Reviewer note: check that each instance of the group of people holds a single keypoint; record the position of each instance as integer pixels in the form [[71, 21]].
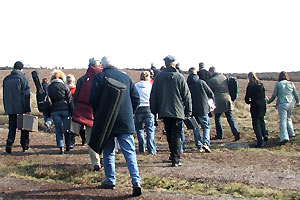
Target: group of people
[[161, 94]]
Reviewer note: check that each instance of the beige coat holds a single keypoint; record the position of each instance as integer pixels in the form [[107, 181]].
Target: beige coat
[[218, 84]]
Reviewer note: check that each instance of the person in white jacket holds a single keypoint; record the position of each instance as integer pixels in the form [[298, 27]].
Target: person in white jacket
[[144, 119]]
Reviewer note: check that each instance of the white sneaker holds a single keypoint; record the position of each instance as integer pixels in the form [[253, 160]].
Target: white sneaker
[[206, 148]]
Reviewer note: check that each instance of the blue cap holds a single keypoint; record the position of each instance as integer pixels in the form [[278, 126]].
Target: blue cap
[[169, 59]]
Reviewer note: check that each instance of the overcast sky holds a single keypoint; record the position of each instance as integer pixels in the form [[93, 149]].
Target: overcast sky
[[232, 35]]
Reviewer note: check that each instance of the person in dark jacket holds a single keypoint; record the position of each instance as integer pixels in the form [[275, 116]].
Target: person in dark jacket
[[170, 98], [255, 96], [123, 128], [62, 108], [200, 92], [203, 73], [83, 113], [47, 120], [16, 100]]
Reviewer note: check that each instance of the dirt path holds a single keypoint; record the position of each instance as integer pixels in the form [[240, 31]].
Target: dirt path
[[228, 162]]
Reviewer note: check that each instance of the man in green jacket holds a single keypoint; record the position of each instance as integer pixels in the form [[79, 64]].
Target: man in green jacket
[[171, 99]]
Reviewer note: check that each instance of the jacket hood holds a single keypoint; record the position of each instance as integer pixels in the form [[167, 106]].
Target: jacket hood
[[169, 73], [143, 84], [16, 71], [57, 80], [193, 78]]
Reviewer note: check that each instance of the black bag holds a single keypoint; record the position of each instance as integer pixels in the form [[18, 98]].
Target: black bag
[[190, 123], [106, 113], [233, 87], [40, 93]]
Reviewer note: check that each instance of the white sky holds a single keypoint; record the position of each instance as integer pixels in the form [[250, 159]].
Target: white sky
[[232, 35]]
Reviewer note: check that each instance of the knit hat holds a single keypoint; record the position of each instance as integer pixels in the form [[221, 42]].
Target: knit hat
[[92, 62], [169, 59]]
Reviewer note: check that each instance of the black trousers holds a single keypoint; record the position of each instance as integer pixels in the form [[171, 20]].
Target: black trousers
[[259, 127], [173, 128], [12, 128]]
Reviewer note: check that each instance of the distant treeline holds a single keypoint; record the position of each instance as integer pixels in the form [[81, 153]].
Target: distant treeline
[[267, 76]]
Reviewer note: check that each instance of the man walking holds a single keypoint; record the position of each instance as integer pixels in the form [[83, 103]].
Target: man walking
[[203, 73], [218, 84], [171, 99], [16, 99], [123, 129], [200, 92]]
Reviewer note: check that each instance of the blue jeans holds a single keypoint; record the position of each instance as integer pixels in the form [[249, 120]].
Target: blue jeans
[[58, 118], [126, 142], [286, 124], [230, 121], [182, 138], [205, 125], [148, 120]]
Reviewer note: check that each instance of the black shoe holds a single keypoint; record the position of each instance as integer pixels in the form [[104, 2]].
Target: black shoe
[[61, 150], [137, 190], [283, 142], [25, 148], [8, 149], [266, 138], [106, 186], [96, 168], [175, 164], [217, 138], [236, 136], [68, 148]]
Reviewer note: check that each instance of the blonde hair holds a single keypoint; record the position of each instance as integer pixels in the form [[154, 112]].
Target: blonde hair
[[58, 74], [70, 79], [145, 76], [253, 78]]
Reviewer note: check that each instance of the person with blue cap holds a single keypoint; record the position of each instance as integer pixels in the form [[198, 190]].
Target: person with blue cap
[[170, 98]]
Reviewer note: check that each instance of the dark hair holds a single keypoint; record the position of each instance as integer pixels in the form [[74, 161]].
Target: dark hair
[[283, 76], [18, 65], [212, 70], [201, 65]]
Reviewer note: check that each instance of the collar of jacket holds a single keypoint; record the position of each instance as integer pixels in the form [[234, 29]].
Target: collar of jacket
[[57, 80]]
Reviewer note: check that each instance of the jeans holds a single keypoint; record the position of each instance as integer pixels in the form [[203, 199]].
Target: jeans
[[205, 125], [148, 120], [230, 121], [286, 125], [12, 129], [182, 139], [95, 157], [173, 127], [126, 142], [60, 118], [259, 127]]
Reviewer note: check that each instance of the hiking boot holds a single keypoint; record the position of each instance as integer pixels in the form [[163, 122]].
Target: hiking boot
[[236, 136], [206, 148], [8, 149], [106, 186], [137, 189], [175, 164], [25, 149], [96, 168]]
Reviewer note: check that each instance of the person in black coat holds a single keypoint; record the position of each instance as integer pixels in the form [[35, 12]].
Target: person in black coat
[[200, 93], [62, 108], [16, 100], [203, 73], [255, 96], [123, 128]]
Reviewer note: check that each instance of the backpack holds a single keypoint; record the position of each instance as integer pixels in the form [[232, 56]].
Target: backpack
[[233, 87]]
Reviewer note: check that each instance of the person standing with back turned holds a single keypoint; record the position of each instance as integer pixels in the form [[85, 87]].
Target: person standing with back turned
[[16, 100], [170, 98], [123, 128]]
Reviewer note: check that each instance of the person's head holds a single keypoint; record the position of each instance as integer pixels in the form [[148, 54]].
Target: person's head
[[145, 76], [177, 66], [106, 62], [18, 65], [70, 79], [45, 80], [201, 65], [192, 70], [283, 76], [212, 70], [170, 61], [58, 74], [252, 78], [92, 62]]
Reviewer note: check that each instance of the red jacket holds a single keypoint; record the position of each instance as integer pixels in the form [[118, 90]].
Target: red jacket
[[83, 113]]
